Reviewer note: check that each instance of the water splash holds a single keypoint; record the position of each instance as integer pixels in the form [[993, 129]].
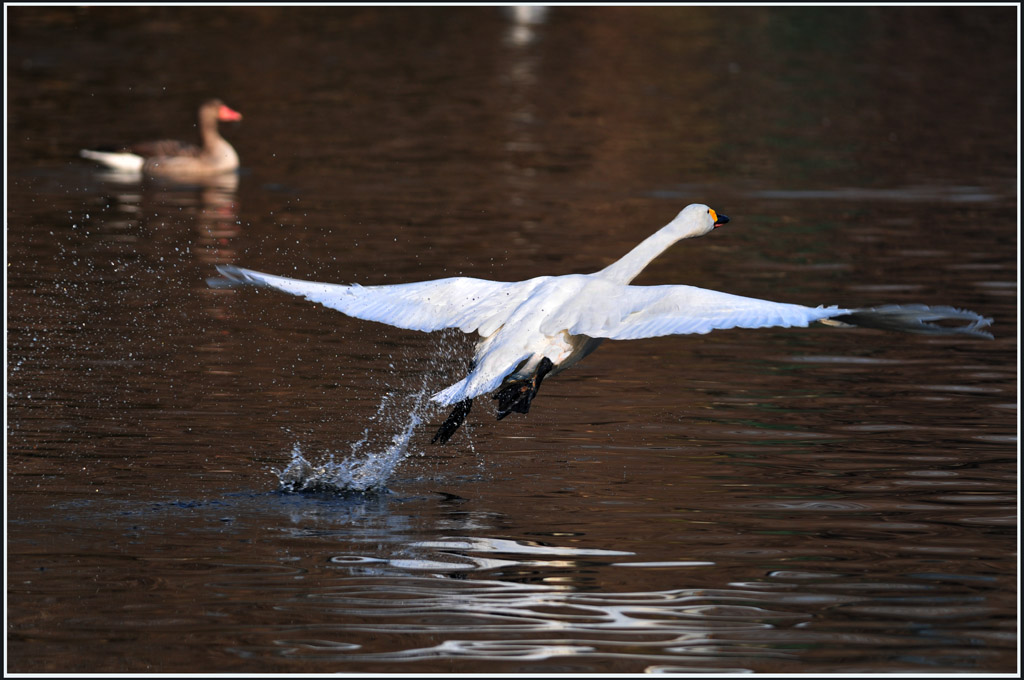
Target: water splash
[[373, 459], [367, 468]]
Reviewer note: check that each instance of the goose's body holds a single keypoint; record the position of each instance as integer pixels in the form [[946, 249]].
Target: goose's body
[[178, 160], [541, 326]]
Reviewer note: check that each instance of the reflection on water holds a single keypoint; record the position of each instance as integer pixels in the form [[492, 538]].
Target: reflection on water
[[353, 580], [929, 194], [524, 23], [211, 201], [206, 482]]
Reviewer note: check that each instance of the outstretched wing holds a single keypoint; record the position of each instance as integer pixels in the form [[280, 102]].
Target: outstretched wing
[[461, 302], [631, 312]]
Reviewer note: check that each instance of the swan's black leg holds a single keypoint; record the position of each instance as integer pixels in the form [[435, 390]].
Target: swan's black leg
[[455, 418], [517, 393]]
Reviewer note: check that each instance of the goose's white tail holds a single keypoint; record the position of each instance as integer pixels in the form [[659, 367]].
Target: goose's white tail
[[118, 160], [916, 319]]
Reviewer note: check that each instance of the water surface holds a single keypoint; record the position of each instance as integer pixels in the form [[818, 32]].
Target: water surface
[[773, 501]]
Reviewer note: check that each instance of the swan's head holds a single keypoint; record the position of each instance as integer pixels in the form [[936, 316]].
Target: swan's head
[[697, 219]]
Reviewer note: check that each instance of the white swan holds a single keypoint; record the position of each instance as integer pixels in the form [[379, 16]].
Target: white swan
[[544, 325]]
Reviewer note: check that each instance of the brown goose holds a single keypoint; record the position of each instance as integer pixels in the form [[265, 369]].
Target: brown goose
[[174, 159]]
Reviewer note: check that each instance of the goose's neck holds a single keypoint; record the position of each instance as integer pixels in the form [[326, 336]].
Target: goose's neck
[[209, 133], [632, 263]]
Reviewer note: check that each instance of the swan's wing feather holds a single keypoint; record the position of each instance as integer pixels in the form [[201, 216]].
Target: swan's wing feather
[[631, 312], [461, 302]]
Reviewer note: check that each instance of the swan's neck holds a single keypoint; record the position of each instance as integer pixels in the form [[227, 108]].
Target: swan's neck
[[632, 263]]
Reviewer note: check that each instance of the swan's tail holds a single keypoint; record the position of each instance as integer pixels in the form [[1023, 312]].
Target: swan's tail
[[916, 319]]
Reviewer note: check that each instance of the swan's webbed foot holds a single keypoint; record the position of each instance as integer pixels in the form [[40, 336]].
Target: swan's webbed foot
[[516, 393], [455, 419]]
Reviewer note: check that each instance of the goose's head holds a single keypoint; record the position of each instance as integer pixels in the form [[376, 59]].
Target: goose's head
[[696, 219], [213, 110]]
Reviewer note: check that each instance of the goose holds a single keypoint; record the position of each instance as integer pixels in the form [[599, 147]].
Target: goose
[[174, 159], [531, 329]]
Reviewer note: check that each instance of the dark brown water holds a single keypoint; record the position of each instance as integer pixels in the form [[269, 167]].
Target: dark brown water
[[777, 501]]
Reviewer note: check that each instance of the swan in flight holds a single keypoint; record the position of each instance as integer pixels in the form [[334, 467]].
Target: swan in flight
[[542, 326]]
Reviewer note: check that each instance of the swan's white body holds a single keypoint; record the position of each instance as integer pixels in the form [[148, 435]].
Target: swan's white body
[[564, 318]]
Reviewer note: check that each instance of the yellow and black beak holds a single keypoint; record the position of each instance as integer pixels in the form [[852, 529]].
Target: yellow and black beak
[[719, 219]]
